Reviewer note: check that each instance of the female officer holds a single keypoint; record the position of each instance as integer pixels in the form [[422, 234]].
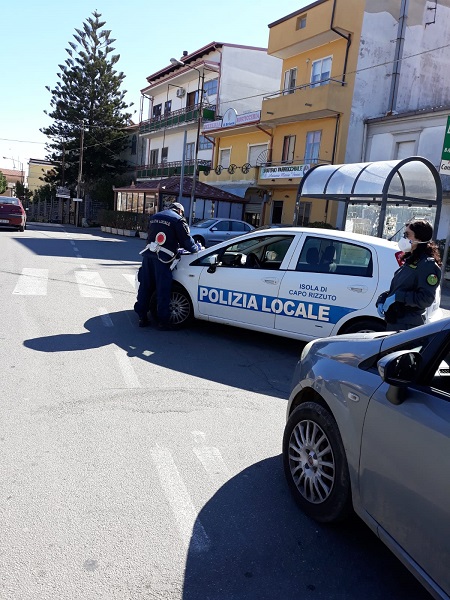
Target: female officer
[[413, 287]]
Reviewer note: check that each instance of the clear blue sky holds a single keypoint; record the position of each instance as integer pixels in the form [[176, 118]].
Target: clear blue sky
[[35, 34]]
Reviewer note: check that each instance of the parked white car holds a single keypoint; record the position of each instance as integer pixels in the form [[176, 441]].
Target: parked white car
[[301, 283]]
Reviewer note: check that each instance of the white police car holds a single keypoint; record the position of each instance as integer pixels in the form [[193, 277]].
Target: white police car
[[296, 282]]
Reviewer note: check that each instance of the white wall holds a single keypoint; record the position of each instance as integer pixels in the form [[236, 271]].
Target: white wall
[[423, 80], [427, 130], [247, 75]]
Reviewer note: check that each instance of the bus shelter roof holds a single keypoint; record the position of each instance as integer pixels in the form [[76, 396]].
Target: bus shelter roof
[[413, 180]]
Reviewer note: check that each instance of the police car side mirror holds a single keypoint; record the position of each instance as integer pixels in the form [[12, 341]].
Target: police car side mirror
[[213, 262], [213, 229]]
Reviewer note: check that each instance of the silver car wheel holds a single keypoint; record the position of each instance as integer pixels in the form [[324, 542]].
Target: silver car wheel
[[311, 461]]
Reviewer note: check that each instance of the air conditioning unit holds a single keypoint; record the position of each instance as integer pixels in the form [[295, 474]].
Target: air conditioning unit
[[181, 92]]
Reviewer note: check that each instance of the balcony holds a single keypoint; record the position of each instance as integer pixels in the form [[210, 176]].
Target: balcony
[[168, 169], [175, 118], [306, 102]]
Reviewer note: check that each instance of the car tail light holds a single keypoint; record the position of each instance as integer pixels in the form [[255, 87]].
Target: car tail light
[[400, 257]]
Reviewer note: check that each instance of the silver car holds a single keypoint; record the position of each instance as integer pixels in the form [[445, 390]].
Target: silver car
[[212, 231], [368, 429]]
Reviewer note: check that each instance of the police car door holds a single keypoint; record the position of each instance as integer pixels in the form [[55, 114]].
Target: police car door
[[244, 285], [327, 280]]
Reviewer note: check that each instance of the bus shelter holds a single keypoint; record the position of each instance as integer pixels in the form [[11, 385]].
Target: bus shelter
[[380, 197]]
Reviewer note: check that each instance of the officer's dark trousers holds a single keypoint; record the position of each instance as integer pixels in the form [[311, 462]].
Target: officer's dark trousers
[[154, 276]]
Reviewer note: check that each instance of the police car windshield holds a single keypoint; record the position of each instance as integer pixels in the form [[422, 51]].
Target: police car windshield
[[205, 224]]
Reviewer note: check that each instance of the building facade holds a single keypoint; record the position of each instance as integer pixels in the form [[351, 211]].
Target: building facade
[[194, 90]]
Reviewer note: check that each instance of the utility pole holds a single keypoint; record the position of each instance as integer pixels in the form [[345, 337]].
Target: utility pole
[[80, 172]]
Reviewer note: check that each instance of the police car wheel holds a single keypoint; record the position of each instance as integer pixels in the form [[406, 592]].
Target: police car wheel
[[364, 326], [181, 309]]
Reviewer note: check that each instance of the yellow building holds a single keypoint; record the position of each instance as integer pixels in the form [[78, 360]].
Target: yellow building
[[310, 114], [303, 124], [240, 146], [37, 169]]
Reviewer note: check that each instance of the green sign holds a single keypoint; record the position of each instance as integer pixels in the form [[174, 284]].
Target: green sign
[[445, 159]]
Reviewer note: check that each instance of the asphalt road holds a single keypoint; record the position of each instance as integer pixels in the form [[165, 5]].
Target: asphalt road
[[138, 464]]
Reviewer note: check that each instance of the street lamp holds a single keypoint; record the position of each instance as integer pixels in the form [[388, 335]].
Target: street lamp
[[201, 79]]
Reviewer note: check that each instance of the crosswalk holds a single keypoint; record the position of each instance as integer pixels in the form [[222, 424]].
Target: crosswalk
[[90, 283]]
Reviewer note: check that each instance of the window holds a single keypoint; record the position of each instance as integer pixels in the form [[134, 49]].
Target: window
[[290, 80], [321, 72], [222, 226], [405, 149], [164, 154], [265, 252], [312, 147], [301, 22], [204, 143], [254, 152], [325, 255], [239, 226], [210, 87], [277, 212], [304, 211], [154, 154], [288, 148], [133, 145], [190, 151], [167, 107], [157, 110], [224, 157]]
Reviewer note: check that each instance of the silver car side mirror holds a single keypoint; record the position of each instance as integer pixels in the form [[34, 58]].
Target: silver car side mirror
[[399, 370]]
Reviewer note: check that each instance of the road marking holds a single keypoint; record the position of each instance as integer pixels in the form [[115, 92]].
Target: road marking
[[211, 460], [192, 531], [91, 285], [32, 282], [129, 278], [129, 375], [106, 319]]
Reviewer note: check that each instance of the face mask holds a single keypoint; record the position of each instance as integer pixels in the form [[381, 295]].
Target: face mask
[[404, 244]]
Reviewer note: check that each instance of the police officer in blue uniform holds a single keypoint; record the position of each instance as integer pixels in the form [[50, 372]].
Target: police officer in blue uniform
[[413, 287], [168, 231]]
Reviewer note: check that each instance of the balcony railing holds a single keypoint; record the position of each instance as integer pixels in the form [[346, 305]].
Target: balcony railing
[[168, 169], [307, 101], [304, 86], [179, 117]]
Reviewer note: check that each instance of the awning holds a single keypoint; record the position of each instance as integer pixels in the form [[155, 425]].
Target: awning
[[414, 180], [237, 189]]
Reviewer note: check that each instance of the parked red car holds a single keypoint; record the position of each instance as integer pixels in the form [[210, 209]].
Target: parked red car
[[12, 213]]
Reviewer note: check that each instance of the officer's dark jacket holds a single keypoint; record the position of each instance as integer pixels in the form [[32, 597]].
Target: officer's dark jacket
[[175, 229], [414, 285]]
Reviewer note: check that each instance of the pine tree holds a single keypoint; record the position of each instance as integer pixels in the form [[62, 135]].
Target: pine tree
[[87, 101], [3, 183]]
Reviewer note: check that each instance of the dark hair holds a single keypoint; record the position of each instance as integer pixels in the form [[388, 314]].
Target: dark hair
[[423, 231]]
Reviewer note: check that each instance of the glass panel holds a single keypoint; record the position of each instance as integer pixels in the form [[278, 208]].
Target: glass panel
[[322, 255], [419, 181], [315, 182], [399, 214], [374, 177], [363, 218]]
